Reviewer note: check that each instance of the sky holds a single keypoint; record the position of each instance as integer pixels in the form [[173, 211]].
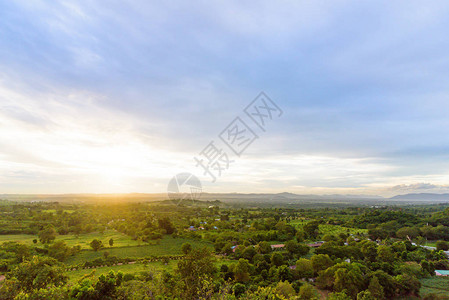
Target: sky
[[121, 98]]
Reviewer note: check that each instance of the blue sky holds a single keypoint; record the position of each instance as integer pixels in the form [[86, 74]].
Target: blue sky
[[121, 98]]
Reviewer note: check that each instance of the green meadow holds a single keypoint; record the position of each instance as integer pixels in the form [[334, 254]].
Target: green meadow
[[438, 285], [134, 269], [83, 240], [330, 229], [165, 246]]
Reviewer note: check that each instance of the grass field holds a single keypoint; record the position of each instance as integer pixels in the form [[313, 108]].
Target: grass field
[[437, 285], [83, 240], [135, 269], [330, 229], [166, 246]]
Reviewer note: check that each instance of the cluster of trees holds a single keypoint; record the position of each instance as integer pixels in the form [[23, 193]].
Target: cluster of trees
[[385, 263]]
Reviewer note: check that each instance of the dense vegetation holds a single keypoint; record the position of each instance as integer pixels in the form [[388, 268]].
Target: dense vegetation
[[208, 250]]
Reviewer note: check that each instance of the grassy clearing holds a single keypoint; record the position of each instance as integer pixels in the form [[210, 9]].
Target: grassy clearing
[[437, 285], [83, 240], [53, 211], [20, 238], [330, 229], [166, 246], [135, 269]]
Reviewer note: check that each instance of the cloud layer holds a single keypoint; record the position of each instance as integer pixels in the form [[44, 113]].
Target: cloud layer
[[121, 98]]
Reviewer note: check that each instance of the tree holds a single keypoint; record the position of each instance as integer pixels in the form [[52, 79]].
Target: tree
[[369, 250], [296, 248], [365, 295], [39, 273], [249, 253], [347, 277], [338, 296], [166, 224], [311, 229], [196, 266], [308, 292], [321, 262], [408, 284], [304, 267], [96, 244], [111, 242], [300, 236], [385, 254], [242, 270], [104, 288], [429, 267], [59, 250], [263, 248], [284, 273], [238, 289], [407, 232], [285, 289], [376, 290], [47, 235], [186, 248], [277, 259], [442, 245], [350, 278], [388, 283]]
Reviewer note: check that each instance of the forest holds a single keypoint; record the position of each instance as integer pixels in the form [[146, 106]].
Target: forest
[[214, 250]]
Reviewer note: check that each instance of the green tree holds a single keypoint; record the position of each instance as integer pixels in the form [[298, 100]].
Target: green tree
[[407, 232], [308, 292], [238, 289], [385, 254], [196, 266], [111, 242], [369, 250], [59, 250], [442, 245], [96, 244], [375, 288], [277, 259], [388, 283], [242, 271], [295, 248], [304, 267], [365, 295], [47, 235], [321, 262], [263, 248], [104, 288], [186, 248], [338, 296], [166, 224], [311, 229], [249, 253], [343, 277], [408, 284], [39, 273], [350, 279], [285, 289]]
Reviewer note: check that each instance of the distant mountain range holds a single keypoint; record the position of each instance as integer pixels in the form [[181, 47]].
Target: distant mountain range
[[250, 199], [422, 197]]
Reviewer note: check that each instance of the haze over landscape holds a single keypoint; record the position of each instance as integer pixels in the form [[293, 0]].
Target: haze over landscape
[[119, 99], [224, 150]]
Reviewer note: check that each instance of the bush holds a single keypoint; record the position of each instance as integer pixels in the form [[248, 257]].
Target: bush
[[128, 277], [238, 289]]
